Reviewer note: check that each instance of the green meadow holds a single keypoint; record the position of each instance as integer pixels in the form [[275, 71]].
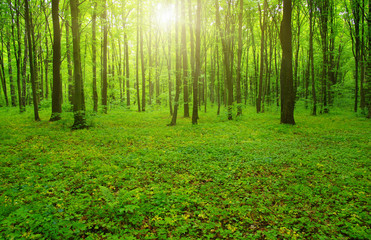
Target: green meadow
[[130, 176]]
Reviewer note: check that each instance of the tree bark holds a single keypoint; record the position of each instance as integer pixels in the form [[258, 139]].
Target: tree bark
[[105, 59], [287, 89], [198, 64], [29, 30], [57, 83], [239, 62], [78, 98], [69, 63], [143, 64], [185, 61], [177, 69], [94, 58]]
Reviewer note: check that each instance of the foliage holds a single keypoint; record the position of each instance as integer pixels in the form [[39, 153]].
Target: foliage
[[131, 177]]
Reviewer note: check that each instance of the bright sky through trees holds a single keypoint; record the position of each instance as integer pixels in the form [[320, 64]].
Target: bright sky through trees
[[165, 14]]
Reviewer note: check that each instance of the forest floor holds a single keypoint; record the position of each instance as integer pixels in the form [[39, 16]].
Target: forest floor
[[130, 176]]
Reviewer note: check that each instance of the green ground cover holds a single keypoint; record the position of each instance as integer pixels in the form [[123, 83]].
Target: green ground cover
[[131, 177]]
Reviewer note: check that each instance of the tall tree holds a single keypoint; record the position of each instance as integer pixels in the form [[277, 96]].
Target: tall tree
[[57, 83], [198, 64], [239, 60], [78, 98], [31, 48], [286, 75], [69, 62], [262, 48], [227, 58], [355, 6], [105, 58], [177, 70], [142, 61], [137, 56], [185, 61], [324, 14], [94, 57], [311, 56], [13, 97]]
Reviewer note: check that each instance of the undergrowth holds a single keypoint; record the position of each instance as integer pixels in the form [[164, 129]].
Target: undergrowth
[[129, 176]]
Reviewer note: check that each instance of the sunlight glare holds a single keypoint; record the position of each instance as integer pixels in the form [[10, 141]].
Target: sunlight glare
[[165, 14]]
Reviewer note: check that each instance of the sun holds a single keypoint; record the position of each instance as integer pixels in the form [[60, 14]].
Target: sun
[[165, 14]]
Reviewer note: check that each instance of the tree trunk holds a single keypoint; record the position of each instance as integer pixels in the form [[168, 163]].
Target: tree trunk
[[69, 63], [105, 58], [29, 30], [262, 48], [13, 97], [127, 69], [311, 57], [287, 89], [137, 57], [198, 64], [143, 64], [239, 62], [94, 58], [185, 61], [177, 69], [57, 83], [227, 58], [78, 98]]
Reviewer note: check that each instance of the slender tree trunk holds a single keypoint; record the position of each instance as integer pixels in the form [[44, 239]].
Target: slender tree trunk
[[143, 64], [137, 57], [262, 48], [239, 62], [105, 58], [227, 58], [311, 57], [24, 73], [362, 60], [94, 58], [198, 64], [57, 83], [127, 69], [177, 69], [296, 69], [287, 88], [29, 26], [69, 63], [185, 61], [10, 72], [191, 36], [78, 98], [3, 81]]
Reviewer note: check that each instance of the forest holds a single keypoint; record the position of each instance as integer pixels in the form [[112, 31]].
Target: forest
[[185, 119]]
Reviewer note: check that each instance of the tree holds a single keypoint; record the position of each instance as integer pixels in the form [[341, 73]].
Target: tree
[[177, 71], [286, 75], [94, 57], [227, 58], [142, 62], [78, 98], [311, 57], [105, 58], [239, 58], [31, 50], [262, 48], [185, 61], [198, 64], [57, 83]]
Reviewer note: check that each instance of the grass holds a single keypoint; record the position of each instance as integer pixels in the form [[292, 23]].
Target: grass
[[131, 177]]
